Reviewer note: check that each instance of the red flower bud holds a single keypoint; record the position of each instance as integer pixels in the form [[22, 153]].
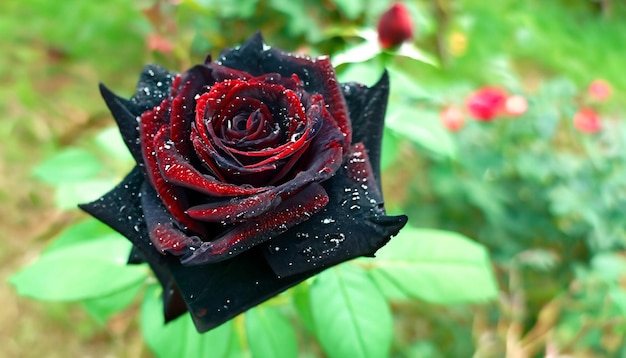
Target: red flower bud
[[395, 26], [486, 103], [587, 121], [452, 118], [600, 90]]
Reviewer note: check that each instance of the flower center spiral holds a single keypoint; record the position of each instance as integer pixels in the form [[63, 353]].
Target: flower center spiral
[[253, 131]]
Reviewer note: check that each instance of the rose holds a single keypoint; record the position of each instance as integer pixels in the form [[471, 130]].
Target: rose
[[253, 173], [395, 26], [587, 120], [486, 103]]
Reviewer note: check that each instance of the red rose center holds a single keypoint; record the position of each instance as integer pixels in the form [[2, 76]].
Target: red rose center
[[252, 131]]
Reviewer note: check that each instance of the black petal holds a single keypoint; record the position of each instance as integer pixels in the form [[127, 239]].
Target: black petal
[[125, 113], [153, 86], [218, 292], [135, 256], [257, 58], [366, 107], [248, 57], [213, 293], [121, 209], [353, 224]]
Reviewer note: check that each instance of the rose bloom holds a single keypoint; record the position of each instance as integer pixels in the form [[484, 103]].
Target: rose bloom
[[395, 26], [254, 172], [515, 105], [600, 90], [452, 118], [586, 120], [486, 103]]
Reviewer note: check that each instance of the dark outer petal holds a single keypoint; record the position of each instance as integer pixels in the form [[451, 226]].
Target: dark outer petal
[[352, 224], [239, 283], [121, 209], [152, 88], [135, 256], [252, 232], [218, 292], [162, 227], [124, 111], [317, 75], [367, 106]]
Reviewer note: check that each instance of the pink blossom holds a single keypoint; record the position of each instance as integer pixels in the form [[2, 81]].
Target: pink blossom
[[587, 120], [486, 103], [452, 118]]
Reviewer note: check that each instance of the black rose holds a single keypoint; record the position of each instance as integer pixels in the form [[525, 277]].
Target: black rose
[[254, 172]]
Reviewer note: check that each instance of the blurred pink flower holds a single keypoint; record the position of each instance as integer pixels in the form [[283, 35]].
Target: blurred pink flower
[[600, 90], [516, 105], [452, 118], [395, 26], [486, 103], [156, 42], [586, 120]]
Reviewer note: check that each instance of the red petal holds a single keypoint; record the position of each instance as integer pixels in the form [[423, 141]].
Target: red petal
[[255, 231], [152, 123], [177, 170], [333, 97], [235, 210]]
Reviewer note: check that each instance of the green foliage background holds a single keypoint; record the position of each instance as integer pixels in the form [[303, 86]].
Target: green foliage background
[[515, 245]]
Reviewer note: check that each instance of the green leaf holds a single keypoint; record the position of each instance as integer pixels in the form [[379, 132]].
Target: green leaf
[[352, 318], [411, 51], [387, 287], [302, 303], [111, 142], [435, 266], [269, 333], [389, 148], [362, 52], [83, 231], [86, 270], [351, 8], [618, 297], [179, 338], [403, 84], [69, 195], [367, 73], [423, 128], [241, 9], [70, 165], [610, 267], [299, 21], [102, 308]]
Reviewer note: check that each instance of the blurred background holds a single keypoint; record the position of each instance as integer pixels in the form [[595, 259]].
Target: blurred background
[[505, 124]]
